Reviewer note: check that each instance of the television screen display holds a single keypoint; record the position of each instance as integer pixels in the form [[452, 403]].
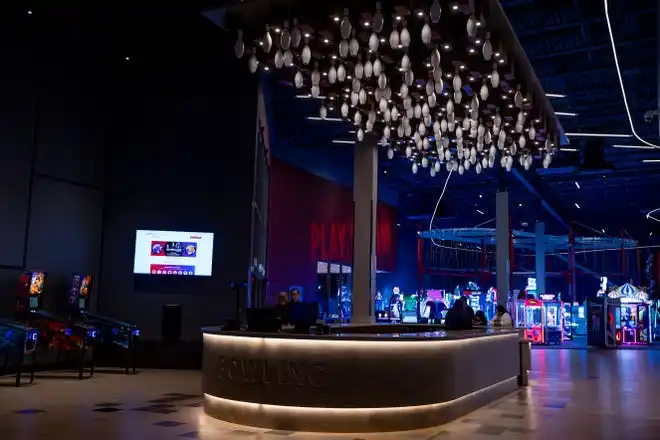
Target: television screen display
[[173, 253]]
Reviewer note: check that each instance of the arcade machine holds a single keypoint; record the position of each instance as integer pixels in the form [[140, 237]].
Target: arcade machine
[[490, 304], [396, 306], [411, 307], [620, 318], [17, 342], [56, 331], [567, 319], [474, 295], [542, 322], [112, 331]]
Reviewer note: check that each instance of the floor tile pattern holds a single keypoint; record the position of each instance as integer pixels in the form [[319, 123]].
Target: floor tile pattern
[[574, 395]]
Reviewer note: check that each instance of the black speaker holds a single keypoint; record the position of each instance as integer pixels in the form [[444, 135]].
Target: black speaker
[[171, 323]]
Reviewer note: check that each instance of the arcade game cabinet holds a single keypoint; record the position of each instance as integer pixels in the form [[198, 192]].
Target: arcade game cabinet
[[396, 306], [113, 332], [56, 332], [542, 322], [17, 341], [621, 318]]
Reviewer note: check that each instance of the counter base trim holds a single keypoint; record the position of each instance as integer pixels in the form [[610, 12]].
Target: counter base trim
[[314, 419]]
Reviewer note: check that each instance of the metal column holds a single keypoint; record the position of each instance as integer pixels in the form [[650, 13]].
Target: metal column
[[540, 257], [365, 203], [502, 237]]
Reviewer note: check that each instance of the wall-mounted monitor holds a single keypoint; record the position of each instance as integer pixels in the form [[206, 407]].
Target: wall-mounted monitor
[[173, 253]]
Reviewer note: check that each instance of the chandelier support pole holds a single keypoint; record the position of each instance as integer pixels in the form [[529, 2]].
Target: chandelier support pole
[[502, 237], [365, 204]]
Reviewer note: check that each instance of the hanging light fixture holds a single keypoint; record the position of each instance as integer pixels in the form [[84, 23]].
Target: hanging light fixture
[[406, 86]]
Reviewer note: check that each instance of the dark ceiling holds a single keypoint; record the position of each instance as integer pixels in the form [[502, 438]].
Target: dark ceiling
[[569, 47]]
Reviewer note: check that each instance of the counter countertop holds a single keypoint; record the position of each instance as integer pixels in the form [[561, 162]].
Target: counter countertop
[[434, 335]]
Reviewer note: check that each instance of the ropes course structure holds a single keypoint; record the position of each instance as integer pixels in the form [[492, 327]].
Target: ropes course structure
[[471, 253]]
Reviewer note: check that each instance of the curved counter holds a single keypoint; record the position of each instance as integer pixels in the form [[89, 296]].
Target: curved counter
[[348, 382]]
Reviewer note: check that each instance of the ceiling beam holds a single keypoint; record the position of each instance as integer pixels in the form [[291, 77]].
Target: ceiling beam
[[533, 183]]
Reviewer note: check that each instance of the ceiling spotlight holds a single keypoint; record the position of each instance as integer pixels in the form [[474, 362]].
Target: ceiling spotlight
[[366, 23], [420, 13], [307, 35], [336, 19], [454, 7], [326, 41], [398, 18], [277, 30]]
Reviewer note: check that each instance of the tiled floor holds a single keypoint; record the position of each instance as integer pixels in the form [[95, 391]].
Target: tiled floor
[[575, 395]]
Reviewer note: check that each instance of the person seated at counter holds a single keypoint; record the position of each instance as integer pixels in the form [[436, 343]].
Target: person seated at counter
[[282, 307], [295, 296], [458, 317], [480, 318], [502, 318]]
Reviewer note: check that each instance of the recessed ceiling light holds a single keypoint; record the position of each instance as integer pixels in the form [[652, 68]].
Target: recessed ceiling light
[[336, 19], [455, 7]]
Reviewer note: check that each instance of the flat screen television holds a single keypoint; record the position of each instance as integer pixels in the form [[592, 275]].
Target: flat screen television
[[173, 253]]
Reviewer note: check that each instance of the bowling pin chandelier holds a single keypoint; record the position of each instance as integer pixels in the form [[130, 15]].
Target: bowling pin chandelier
[[431, 84]]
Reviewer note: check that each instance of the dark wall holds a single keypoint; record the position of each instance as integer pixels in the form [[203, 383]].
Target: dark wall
[[181, 158], [53, 120], [311, 219]]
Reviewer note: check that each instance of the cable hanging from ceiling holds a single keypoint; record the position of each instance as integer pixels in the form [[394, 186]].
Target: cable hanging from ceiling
[[620, 76]]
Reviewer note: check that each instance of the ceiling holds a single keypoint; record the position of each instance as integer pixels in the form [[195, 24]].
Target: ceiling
[[591, 182], [568, 45]]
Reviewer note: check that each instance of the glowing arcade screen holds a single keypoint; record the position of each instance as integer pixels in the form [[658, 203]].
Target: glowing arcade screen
[[173, 253], [31, 289], [81, 286]]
